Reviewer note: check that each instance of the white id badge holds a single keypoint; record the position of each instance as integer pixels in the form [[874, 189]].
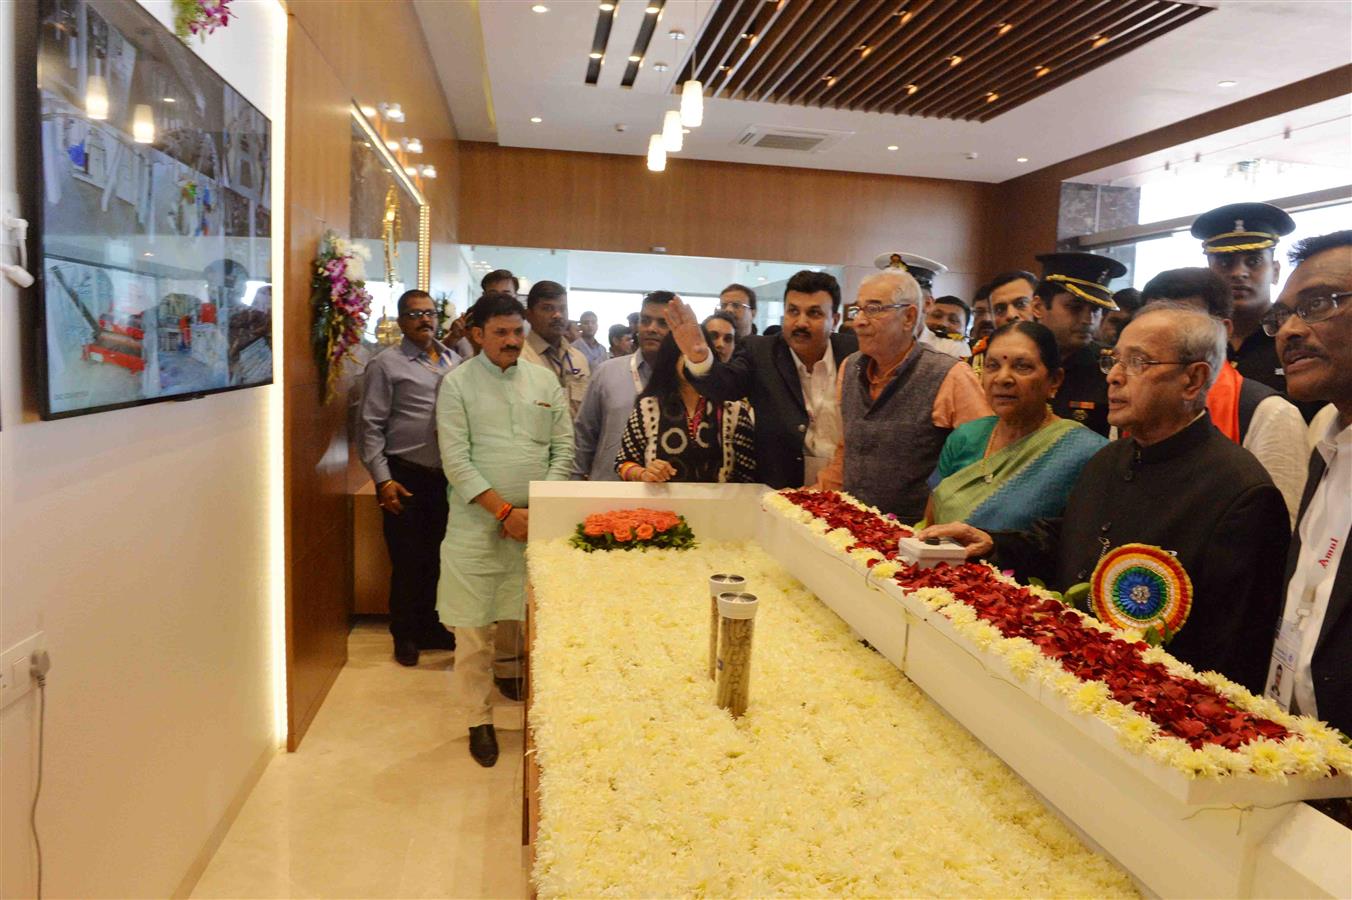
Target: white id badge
[[1281, 678]]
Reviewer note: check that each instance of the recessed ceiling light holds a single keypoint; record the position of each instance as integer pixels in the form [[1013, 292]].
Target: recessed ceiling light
[[660, 67], [172, 100], [748, 35], [410, 170], [954, 60], [1098, 41], [1021, 159], [827, 77], [911, 89], [760, 279], [653, 10], [539, 8], [1226, 83], [1040, 71], [893, 147], [147, 253], [724, 68], [536, 120], [594, 55], [607, 7], [392, 145], [368, 111], [676, 34], [1004, 28], [992, 96], [635, 58]]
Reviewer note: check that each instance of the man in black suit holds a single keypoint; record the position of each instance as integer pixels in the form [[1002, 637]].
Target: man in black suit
[[790, 378], [1312, 322], [1176, 483]]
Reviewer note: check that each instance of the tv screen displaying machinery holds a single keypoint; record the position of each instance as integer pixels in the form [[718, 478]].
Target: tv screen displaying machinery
[[155, 216]]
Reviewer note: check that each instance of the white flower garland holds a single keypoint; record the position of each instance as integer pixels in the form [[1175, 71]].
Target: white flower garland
[[841, 779], [1312, 749]]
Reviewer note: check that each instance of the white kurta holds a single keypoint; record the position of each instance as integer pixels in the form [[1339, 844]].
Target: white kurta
[[502, 430]]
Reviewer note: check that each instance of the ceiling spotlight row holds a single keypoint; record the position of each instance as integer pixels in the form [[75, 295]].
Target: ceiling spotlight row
[[424, 171]]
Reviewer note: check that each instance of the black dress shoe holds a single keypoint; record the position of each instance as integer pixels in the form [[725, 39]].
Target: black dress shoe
[[406, 652], [512, 688], [444, 639], [483, 745]]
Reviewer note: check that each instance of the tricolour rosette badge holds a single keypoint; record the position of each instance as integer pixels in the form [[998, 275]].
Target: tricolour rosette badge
[[1143, 587]]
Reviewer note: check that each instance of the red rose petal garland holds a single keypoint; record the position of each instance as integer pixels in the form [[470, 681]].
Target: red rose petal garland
[[1185, 708]]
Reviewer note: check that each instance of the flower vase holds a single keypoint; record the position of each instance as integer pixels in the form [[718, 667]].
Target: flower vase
[[738, 614], [719, 584]]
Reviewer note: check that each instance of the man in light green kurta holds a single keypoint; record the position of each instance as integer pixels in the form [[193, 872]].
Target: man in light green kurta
[[500, 426]]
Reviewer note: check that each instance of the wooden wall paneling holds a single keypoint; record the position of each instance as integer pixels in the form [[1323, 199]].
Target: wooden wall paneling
[[317, 515], [367, 51], [592, 201]]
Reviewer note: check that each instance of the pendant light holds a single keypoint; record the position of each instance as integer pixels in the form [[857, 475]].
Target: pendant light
[[692, 104], [673, 138], [143, 124], [96, 96], [657, 154]]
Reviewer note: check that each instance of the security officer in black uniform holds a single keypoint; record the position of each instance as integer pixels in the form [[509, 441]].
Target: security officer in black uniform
[[1070, 300], [1239, 241]]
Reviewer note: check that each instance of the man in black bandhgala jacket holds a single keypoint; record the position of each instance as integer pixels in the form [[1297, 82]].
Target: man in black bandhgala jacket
[[1176, 483]]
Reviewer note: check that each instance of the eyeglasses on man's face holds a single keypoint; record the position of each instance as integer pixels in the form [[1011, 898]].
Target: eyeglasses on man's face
[[874, 310], [1311, 309], [733, 306], [416, 314], [1136, 363]]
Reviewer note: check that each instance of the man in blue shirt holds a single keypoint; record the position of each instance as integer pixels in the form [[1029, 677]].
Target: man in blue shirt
[[587, 344], [615, 385], [398, 445]]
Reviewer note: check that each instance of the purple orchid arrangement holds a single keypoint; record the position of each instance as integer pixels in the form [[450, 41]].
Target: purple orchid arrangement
[[342, 306], [200, 17]]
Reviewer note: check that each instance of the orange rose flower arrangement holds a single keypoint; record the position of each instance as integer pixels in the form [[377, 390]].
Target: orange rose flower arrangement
[[627, 529]]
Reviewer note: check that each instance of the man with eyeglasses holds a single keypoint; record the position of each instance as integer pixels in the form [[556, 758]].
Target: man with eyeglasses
[[1070, 299], [1248, 412], [398, 445], [899, 401], [789, 378], [1176, 483], [1239, 241], [1312, 324], [923, 270], [739, 301], [547, 344]]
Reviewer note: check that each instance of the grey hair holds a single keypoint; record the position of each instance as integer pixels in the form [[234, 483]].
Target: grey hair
[[905, 289], [1198, 336]]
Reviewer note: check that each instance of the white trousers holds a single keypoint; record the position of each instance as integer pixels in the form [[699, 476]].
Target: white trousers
[[480, 654]]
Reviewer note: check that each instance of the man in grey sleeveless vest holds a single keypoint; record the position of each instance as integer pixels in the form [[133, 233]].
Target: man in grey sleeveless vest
[[899, 400]]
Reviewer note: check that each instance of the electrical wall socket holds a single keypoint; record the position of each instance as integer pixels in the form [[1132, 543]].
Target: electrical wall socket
[[15, 679]]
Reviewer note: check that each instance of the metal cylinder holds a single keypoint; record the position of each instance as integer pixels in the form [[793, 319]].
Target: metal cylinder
[[719, 584], [737, 610]]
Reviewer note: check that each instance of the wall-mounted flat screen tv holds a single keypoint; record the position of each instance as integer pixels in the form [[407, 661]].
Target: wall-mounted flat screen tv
[[155, 217]]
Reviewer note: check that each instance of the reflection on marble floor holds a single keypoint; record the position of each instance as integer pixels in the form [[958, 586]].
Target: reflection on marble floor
[[382, 799]]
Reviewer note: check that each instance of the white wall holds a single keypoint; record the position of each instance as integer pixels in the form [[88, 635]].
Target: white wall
[[140, 541]]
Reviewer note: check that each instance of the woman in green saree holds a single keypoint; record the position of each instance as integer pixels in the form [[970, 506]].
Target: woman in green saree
[[1002, 472]]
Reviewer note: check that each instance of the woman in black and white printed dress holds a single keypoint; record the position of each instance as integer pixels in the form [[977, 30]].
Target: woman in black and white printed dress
[[674, 434]]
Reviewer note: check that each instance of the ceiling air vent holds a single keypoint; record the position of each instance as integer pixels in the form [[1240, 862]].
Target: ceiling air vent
[[798, 140]]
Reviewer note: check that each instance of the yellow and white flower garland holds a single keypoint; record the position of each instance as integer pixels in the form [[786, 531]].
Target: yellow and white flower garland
[[842, 778]]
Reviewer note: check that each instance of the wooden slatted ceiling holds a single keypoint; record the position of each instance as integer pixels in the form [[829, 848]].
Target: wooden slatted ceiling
[[949, 59]]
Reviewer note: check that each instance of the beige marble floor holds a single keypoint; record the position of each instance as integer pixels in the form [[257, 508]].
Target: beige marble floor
[[382, 799]]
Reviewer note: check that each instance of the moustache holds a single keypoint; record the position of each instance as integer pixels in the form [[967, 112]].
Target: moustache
[[801, 332]]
